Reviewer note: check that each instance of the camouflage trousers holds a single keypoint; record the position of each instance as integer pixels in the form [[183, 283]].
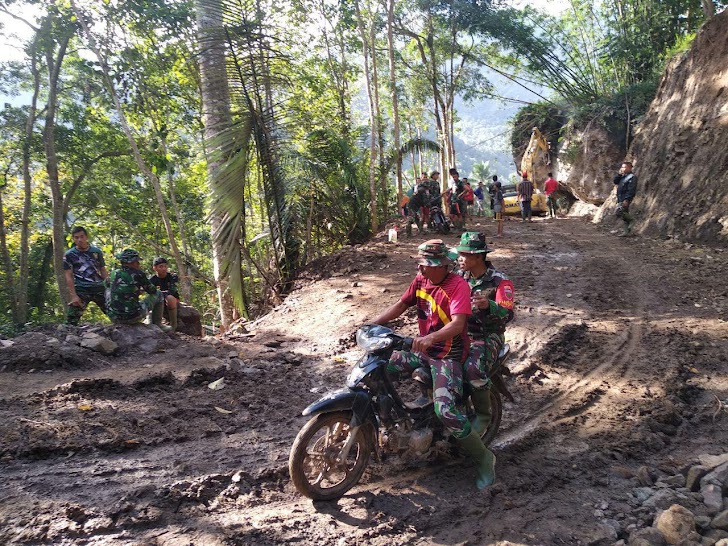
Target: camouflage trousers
[[86, 294], [447, 387], [483, 355], [146, 304]]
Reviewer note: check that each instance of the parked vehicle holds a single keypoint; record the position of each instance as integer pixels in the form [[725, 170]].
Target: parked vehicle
[[510, 200], [332, 450], [439, 222]]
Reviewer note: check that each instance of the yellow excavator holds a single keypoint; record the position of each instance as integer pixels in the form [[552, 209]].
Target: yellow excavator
[[536, 162]]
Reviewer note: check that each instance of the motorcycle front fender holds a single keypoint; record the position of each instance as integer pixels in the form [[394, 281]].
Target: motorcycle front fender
[[357, 401]]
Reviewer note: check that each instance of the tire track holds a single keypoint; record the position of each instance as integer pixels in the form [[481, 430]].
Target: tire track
[[589, 391]]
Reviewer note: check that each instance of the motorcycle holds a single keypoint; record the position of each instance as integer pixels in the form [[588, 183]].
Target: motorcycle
[[438, 221], [332, 450]]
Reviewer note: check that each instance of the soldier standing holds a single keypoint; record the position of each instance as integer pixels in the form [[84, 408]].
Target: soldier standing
[[85, 272]]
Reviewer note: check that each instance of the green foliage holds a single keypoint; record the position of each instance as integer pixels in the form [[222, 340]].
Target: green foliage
[[548, 118], [617, 113]]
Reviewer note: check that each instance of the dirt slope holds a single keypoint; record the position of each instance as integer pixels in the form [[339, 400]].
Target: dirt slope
[[620, 358], [681, 151]]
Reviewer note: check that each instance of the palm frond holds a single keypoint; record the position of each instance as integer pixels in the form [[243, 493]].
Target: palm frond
[[413, 144]]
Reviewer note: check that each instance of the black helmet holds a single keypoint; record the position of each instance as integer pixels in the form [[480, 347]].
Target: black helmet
[[128, 255]]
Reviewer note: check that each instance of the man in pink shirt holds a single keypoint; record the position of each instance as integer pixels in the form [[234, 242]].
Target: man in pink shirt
[[549, 187], [442, 299]]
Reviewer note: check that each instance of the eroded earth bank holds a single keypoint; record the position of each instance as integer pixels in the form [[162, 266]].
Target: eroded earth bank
[[619, 378]]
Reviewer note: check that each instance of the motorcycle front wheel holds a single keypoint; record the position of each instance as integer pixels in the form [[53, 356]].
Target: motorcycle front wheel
[[496, 405], [314, 464]]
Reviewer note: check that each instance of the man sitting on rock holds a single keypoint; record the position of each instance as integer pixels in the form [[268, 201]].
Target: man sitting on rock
[[124, 288], [166, 281]]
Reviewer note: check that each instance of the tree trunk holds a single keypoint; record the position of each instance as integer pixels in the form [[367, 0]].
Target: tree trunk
[[39, 301], [49, 143], [24, 266], [377, 128], [372, 120], [217, 119], [395, 99], [9, 287], [184, 274], [708, 8]]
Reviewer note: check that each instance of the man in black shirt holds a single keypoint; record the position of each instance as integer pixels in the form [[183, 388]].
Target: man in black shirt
[[166, 281]]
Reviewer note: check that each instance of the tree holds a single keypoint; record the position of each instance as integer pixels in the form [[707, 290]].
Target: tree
[[226, 217]]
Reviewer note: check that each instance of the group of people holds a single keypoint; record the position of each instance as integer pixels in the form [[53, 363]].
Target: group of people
[[460, 200], [462, 315], [525, 191], [126, 295]]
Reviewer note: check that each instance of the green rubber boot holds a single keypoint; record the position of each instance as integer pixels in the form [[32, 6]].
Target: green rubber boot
[[483, 410], [484, 459], [172, 313], [157, 312]]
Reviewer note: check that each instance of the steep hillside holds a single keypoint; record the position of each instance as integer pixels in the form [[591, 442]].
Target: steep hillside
[[681, 148], [587, 163]]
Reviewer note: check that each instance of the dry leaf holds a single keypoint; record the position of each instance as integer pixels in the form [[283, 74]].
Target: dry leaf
[[85, 407], [222, 410]]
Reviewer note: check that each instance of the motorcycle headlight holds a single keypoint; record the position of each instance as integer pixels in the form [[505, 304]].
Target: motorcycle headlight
[[374, 338]]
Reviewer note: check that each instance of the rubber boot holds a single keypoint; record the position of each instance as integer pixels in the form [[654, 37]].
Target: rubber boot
[[157, 313], [172, 313], [483, 457], [483, 410]]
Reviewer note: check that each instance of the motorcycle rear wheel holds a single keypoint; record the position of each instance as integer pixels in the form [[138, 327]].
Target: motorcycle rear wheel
[[496, 404], [313, 464]]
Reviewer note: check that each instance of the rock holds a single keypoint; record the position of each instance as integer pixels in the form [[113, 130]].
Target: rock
[[98, 343], [663, 499], [644, 477], [75, 340], [712, 461], [721, 521], [604, 534], [718, 476], [643, 493], [702, 522], [189, 320], [712, 498], [647, 537], [676, 523], [139, 337], [678, 480], [722, 542], [6, 343], [716, 534], [695, 474]]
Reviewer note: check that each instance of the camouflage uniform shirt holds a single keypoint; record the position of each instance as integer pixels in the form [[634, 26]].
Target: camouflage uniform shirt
[[122, 296], [493, 319], [86, 265]]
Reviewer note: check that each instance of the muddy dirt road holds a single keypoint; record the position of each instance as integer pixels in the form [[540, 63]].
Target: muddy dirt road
[[619, 377]]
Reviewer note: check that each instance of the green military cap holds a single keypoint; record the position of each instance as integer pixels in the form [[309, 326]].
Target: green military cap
[[128, 255], [472, 242], [433, 253]]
